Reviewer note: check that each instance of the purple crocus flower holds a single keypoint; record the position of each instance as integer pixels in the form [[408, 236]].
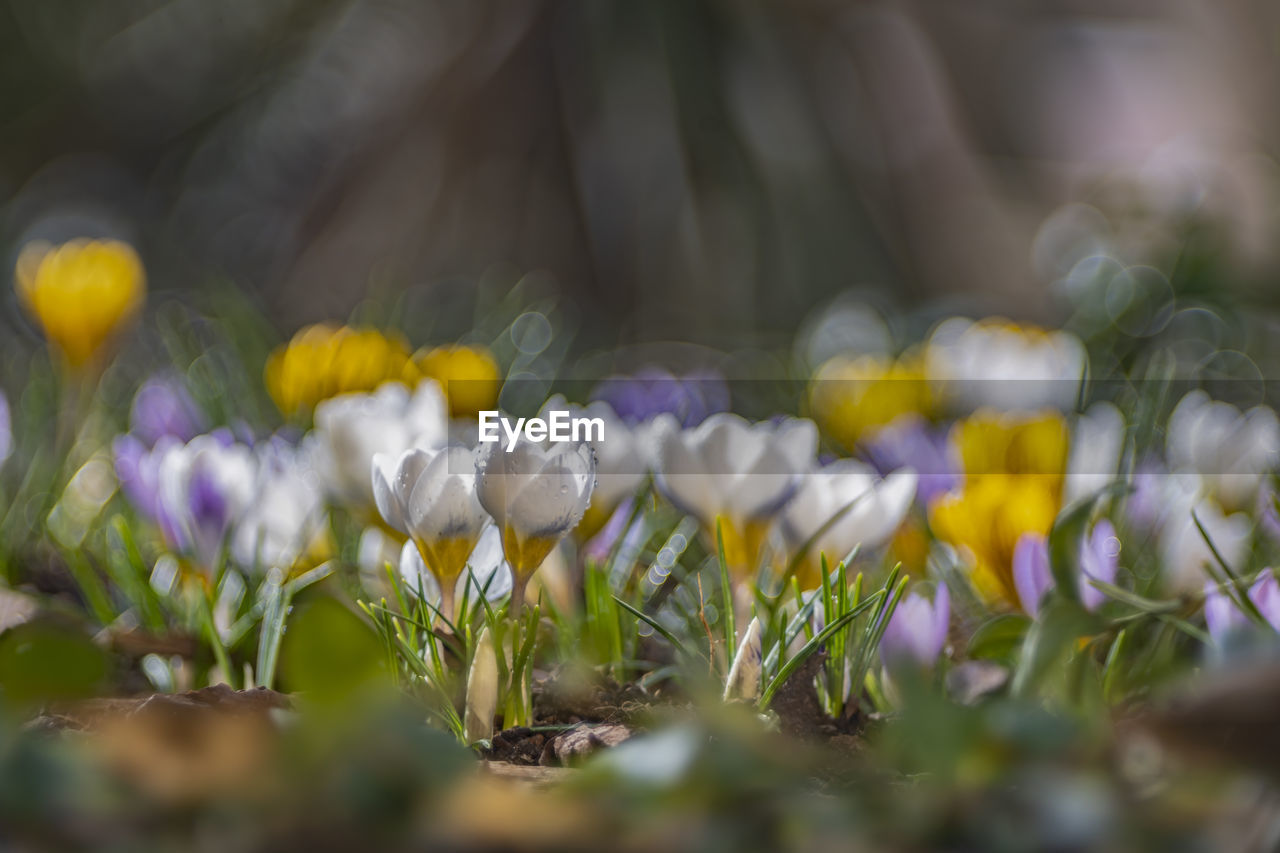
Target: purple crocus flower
[[1031, 575], [1268, 517], [1148, 503], [203, 488], [917, 630], [138, 470], [1099, 560], [910, 441], [1222, 616], [6, 429], [164, 407], [599, 546], [652, 391]]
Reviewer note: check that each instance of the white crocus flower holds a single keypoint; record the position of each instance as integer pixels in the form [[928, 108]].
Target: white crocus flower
[[1230, 450], [845, 504], [285, 516], [536, 493], [204, 487], [430, 496], [1005, 366], [730, 468], [624, 455], [1097, 441], [351, 428], [376, 550], [1183, 549]]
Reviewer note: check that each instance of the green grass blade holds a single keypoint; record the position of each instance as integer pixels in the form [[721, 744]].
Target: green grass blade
[[654, 624], [812, 646], [726, 596]]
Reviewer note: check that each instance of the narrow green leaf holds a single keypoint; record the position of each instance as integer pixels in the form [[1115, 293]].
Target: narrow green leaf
[[999, 637], [792, 630], [1231, 583], [653, 623], [274, 610], [1111, 669], [215, 641], [91, 587], [1051, 638], [812, 646], [726, 596]]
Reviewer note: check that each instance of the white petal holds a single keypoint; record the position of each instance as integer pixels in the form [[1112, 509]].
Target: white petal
[[535, 489], [489, 570], [384, 492], [1096, 444], [375, 550], [551, 503], [443, 502], [416, 575], [798, 440]]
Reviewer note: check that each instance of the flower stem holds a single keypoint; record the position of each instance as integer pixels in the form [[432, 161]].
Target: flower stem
[[448, 591], [515, 607]]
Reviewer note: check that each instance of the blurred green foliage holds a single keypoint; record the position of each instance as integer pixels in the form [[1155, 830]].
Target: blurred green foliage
[[45, 662]]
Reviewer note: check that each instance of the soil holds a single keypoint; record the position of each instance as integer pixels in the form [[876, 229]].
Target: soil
[[800, 714], [577, 714], [175, 710]]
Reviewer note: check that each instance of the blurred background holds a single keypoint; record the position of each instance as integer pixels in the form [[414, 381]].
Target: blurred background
[[691, 169]]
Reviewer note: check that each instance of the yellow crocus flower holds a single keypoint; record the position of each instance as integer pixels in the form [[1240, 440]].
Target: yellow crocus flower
[[987, 518], [997, 443], [325, 360], [852, 396], [1014, 468], [80, 293], [469, 376]]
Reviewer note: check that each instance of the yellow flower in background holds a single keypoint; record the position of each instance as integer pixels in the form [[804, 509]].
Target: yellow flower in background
[[1001, 443], [469, 376], [80, 293], [1014, 468], [325, 360], [852, 396], [987, 518]]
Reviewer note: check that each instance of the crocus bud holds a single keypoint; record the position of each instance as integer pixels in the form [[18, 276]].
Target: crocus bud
[[743, 681], [6, 430], [1099, 558], [1031, 575], [482, 690], [917, 630]]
